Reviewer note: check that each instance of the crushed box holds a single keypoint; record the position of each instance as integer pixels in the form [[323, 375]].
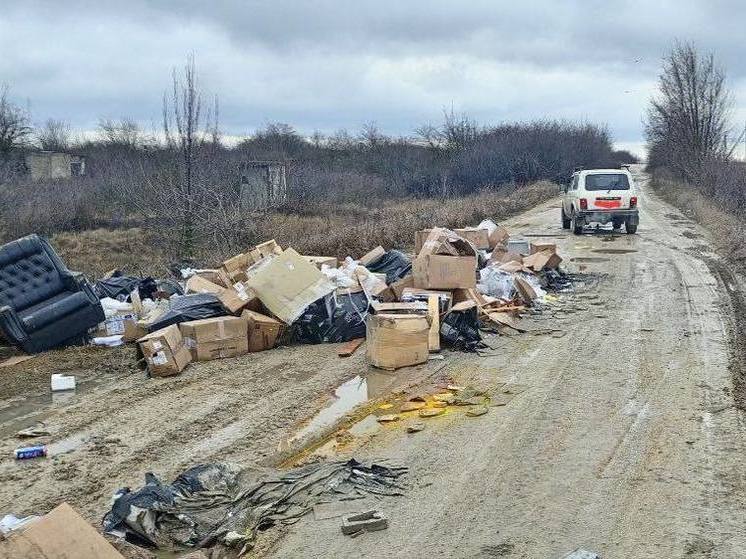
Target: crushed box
[[263, 330], [232, 298], [165, 352]]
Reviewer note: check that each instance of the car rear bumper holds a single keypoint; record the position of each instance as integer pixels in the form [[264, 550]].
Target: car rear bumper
[[607, 216]]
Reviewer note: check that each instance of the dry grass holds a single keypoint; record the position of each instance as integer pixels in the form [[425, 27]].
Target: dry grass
[[727, 227], [341, 231]]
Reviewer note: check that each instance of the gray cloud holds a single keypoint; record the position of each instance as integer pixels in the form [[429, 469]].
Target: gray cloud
[[332, 64]]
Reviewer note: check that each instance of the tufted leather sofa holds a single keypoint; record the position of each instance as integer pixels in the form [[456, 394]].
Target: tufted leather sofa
[[42, 304]]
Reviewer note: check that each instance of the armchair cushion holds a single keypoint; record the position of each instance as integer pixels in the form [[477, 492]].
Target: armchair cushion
[[52, 310]]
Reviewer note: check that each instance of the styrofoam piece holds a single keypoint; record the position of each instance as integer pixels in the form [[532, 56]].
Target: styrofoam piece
[[62, 382]]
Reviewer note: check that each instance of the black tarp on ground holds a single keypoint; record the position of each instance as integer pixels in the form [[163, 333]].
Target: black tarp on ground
[[394, 263], [333, 318], [189, 307], [220, 503]]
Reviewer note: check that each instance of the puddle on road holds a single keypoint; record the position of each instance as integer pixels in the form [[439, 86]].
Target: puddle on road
[[614, 250], [348, 395]]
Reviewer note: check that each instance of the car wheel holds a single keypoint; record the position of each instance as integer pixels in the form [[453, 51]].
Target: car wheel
[[565, 220], [631, 228], [577, 228], [617, 223]]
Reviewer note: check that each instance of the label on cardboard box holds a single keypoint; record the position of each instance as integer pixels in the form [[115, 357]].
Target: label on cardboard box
[[157, 345], [159, 358]]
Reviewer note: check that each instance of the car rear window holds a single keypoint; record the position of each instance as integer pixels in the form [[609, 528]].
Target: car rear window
[[607, 181]]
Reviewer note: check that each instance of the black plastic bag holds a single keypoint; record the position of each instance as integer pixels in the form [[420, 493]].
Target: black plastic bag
[[394, 263], [333, 318], [189, 307], [460, 330], [120, 286]]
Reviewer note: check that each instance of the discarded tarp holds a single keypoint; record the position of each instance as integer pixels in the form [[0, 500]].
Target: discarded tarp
[[333, 318], [120, 286], [394, 263], [221, 503], [188, 307], [460, 327]]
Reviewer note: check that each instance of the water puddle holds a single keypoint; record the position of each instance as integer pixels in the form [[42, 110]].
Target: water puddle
[[68, 444], [614, 250], [348, 395]]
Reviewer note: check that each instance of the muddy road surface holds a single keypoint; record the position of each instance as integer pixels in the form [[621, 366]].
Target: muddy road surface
[[618, 432]]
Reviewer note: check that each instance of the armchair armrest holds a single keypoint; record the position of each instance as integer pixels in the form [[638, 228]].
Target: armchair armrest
[[11, 326], [76, 281]]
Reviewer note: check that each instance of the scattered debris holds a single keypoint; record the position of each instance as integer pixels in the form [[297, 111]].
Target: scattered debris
[[387, 418], [476, 411], [15, 360], [369, 521], [350, 347], [33, 432], [415, 427], [28, 452], [61, 382], [221, 503], [431, 412], [582, 554]]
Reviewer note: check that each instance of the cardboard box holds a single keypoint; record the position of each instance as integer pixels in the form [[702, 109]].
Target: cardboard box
[[498, 237], [236, 267], [527, 293], [436, 271], [231, 298], [263, 331], [372, 256], [542, 260], [60, 534], [165, 352], [397, 340], [539, 246], [398, 287], [215, 338], [115, 325], [287, 284], [320, 261], [446, 242], [480, 238]]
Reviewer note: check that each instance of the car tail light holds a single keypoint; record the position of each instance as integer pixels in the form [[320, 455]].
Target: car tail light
[[633, 202], [583, 204]]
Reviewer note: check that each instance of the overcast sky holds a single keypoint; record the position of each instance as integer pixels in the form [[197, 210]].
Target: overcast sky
[[325, 65]]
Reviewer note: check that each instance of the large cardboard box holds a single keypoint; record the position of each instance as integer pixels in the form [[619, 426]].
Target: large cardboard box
[[263, 330], [165, 352], [232, 298], [437, 271], [539, 246], [397, 340], [215, 338], [287, 284], [480, 238], [60, 534]]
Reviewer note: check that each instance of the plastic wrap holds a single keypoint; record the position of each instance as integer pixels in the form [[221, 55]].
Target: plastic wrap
[[394, 263], [496, 283], [183, 308], [333, 318], [460, 330]]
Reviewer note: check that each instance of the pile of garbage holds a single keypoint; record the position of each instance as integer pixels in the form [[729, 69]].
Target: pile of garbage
[[457, 283]]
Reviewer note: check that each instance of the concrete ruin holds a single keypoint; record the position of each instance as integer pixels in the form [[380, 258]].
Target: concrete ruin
[[46, 165], [263, 184]]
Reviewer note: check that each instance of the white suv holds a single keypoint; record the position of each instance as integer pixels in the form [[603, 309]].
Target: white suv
[[600, 196]]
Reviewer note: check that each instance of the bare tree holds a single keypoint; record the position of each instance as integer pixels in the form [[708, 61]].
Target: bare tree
[[687, 122], [124, 132], [54, 135], [15, 123]]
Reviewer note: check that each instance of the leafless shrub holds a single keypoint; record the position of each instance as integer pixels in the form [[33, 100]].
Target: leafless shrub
[[15, 123], [54, 135]]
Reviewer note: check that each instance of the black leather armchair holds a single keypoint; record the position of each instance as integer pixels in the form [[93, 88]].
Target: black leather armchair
[[42, 304]]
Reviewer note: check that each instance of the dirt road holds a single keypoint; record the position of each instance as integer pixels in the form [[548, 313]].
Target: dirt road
[[624, 441]]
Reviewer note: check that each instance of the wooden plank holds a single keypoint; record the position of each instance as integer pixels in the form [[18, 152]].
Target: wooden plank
[[350, 347], [433, 308]]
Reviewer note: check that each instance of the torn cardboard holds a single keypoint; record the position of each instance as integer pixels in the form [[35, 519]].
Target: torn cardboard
[[60, 534], [478, 237], [232, 298]]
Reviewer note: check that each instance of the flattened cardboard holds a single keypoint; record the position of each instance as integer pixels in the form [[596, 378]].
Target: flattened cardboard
[[165, 352], [527, 293], [397, 340], [263, 331], [215, 338], [435, 271], [433, 311], [288, 284], [60, 534]]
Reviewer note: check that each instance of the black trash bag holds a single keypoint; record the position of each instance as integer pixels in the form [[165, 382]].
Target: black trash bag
[[460, 330], [189, 307], [332, 319], [394, 263], [224, 504], [120, 286]]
